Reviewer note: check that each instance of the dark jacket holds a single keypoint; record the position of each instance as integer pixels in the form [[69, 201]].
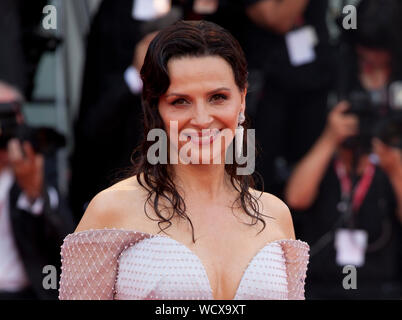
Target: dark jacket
[[38, 239]]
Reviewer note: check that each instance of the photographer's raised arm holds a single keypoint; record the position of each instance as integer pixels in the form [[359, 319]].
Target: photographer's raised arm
[[396, 181], [391, 163], [302, 187], [277, 15]]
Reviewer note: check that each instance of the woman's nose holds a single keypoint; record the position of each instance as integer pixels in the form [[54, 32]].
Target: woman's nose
[[201, 116]]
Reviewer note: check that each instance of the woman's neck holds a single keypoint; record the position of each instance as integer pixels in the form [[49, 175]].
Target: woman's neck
[[206, 181]]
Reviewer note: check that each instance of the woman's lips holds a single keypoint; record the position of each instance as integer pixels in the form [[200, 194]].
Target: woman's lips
[[202, 138]]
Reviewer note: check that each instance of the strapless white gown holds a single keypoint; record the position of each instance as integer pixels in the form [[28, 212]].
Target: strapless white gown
[[122, 264]]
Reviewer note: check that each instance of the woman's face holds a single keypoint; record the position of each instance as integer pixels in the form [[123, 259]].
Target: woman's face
[[204, 102]]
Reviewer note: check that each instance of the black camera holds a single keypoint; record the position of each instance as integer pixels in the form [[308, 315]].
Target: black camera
[[379, 113], [389, 130], [43, 140]]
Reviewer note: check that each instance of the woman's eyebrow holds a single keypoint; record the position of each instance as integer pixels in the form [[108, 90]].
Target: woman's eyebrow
[[173, 94], [186, 96], [217, 90]]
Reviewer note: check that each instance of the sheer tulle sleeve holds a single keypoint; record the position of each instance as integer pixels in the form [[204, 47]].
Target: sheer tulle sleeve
[[297, 258], [89, 262]]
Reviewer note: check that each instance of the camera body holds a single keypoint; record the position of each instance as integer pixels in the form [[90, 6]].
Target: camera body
[[43, 140], [379, 114]]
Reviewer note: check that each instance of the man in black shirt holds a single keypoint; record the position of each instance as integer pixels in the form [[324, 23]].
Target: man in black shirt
[[351, 198], [290, 60], [335, 220]]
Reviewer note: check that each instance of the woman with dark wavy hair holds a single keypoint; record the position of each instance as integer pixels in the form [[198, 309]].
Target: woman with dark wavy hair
[[221, 238]]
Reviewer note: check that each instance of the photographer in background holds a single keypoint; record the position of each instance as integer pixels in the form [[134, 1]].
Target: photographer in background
[[33, 222], [348, 188], [370, 55], [350, 213], [291, 73]]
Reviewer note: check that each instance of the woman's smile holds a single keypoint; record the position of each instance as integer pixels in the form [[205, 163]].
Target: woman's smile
[[203, 137]]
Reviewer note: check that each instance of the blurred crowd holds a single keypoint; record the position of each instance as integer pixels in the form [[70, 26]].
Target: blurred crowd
[[324, 96]]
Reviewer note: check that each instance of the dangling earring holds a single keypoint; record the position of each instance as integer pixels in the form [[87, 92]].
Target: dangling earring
[[239, 136]]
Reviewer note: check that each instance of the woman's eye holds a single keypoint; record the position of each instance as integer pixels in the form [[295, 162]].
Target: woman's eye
[[218, 97], [180, 101]]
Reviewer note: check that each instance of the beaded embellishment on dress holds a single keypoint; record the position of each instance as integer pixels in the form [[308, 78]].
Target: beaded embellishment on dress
[[123, 264]]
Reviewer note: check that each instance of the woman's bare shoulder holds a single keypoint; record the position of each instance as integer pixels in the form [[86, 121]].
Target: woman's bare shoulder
[[114, 207], [274, 207]]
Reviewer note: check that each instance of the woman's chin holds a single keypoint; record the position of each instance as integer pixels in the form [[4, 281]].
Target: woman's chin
[[202, 158]]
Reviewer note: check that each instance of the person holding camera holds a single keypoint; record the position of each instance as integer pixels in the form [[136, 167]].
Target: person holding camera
[[348, 187], [33, 222], [350, 211]]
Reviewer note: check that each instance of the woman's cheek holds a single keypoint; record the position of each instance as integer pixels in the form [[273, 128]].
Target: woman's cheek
[[232, 122]]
